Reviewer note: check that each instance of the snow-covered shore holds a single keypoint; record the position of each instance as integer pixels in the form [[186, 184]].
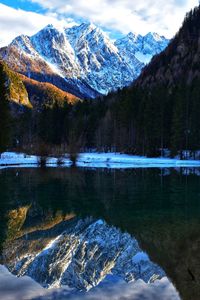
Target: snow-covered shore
[[97, 160]]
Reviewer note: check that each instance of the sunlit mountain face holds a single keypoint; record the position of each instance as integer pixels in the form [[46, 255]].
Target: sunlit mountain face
[[95, 231]]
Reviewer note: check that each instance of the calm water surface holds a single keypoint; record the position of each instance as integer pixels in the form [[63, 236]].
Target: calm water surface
[[153, 212]]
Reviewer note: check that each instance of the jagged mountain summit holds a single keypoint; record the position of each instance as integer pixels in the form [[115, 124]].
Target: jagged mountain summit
[[100, 60], [141, 47], [82, 60]]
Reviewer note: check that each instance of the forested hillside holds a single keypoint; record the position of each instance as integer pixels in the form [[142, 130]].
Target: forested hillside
[[23, 104], [46, 94]]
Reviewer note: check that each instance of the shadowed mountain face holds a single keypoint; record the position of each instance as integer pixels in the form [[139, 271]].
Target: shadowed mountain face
[[151, 211]]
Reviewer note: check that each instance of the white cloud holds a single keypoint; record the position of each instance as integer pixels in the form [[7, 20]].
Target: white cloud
[[142, 16], [14, 22]]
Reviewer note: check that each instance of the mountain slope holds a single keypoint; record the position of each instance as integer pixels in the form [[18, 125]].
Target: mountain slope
[[44, 93], [81, 60], [15, 89], [31, 93]]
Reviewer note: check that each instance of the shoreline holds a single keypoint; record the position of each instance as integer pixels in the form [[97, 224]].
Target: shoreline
[[96, 160]]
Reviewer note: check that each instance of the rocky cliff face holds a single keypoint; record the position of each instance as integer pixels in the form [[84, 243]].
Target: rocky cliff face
[[100, 61], [82, 59], [80, 254]]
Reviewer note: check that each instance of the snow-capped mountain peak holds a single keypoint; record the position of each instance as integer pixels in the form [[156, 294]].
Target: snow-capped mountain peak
[[23, 43], [83, 56], [132, 36], [50, 40], [90, 34], [155, 36], [86, 27]]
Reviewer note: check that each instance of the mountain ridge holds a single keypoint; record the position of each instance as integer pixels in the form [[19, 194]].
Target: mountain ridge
[[81, 60]]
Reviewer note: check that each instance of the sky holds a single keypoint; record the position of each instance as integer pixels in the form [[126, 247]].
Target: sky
[[116, 17]]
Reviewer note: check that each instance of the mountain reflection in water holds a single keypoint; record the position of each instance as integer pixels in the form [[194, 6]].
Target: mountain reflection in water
[[158, 208]]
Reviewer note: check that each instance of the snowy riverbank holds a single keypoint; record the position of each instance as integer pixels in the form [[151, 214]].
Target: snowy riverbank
[[97, 160]]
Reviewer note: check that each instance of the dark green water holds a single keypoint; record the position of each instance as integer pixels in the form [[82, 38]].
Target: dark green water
[[160, 208]]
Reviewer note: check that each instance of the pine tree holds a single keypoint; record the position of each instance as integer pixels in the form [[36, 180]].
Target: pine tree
[[178, 123]]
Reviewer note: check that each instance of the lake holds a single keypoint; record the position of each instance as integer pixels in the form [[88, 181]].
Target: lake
[[100, 233]]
